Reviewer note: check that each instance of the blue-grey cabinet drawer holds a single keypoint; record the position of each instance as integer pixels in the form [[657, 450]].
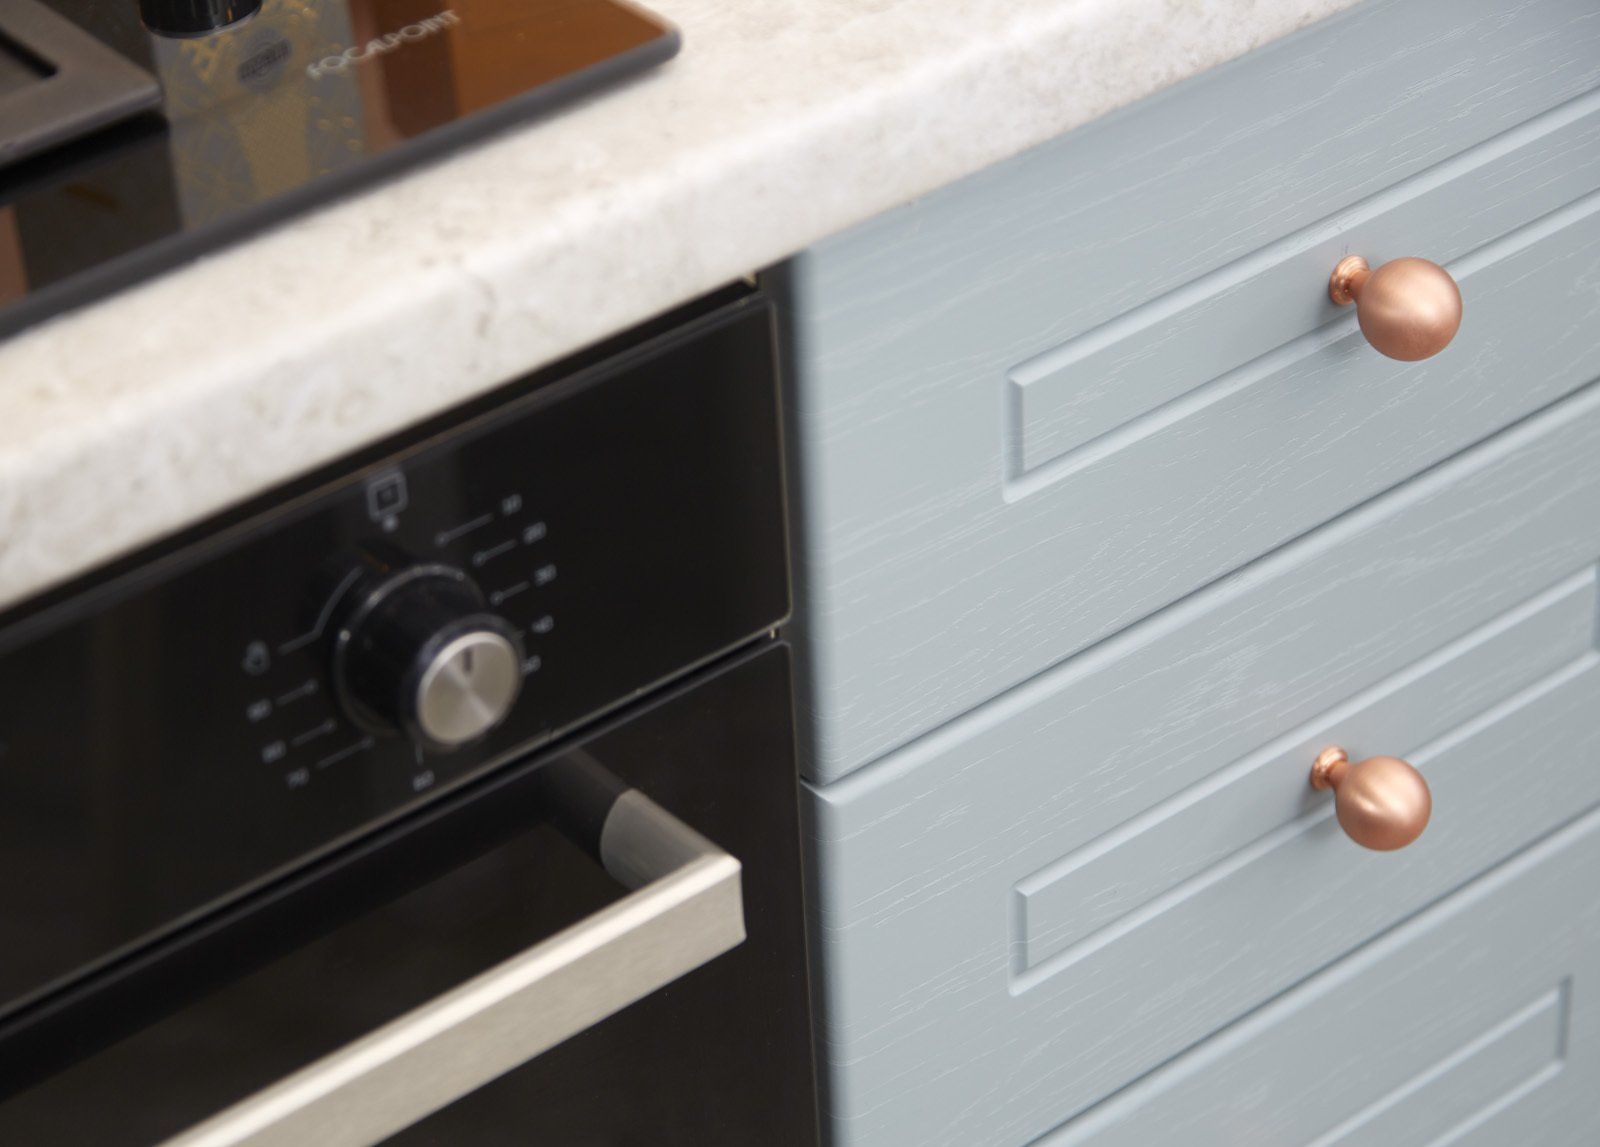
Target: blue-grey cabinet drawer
[[1039, 405], [1475, 1023], [1053, 894]]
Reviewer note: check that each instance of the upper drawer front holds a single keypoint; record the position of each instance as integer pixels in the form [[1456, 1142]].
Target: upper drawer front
[[1045, 402], [1055, 893], [1475, 1023]]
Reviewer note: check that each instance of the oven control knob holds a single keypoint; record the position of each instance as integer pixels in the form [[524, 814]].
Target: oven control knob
[[418, 652]]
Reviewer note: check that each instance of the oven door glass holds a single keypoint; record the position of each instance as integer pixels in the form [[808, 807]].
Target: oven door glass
[[321, 1043]]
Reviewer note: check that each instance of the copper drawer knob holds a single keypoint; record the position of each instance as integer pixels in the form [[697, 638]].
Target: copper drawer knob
[[1409, 309], [1382, 802]]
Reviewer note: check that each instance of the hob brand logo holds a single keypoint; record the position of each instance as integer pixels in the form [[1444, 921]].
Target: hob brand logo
[[384, 44]]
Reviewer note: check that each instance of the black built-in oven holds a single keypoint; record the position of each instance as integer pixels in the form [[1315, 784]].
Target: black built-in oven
[[447, 797]]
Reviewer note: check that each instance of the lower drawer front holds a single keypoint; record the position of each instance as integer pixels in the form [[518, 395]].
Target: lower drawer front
[[1050, 897], [1477, 1022]]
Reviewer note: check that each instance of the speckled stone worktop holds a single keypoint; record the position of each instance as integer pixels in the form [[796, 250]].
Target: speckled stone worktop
[[782, 122]]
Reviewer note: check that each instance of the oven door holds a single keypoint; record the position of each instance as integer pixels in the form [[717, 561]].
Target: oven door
[[600, 945]]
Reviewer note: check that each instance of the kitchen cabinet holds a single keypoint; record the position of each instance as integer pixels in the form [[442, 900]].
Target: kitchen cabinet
[[1109, 519]]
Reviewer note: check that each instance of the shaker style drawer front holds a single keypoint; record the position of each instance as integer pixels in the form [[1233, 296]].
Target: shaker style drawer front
[[1052, 895], [1475, 1023], [1039, 405]]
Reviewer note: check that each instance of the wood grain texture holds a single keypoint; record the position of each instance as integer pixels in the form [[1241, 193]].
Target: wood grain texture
[[937, 1031], [930, 577], [1475, 1023]]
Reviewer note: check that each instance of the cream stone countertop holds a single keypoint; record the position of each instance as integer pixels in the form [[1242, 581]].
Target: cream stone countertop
[[782, 121]]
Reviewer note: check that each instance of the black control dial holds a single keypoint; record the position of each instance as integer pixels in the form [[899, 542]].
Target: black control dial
[[416, 651]]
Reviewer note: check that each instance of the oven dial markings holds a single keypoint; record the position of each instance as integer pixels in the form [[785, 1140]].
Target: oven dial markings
[[501, 596], [261, 710], [445, 537], [484, 556], [299, 778], [542, 576], [509, 506], [317, 732], [347, 752], [527, 535], [307, 688], [295, 644]]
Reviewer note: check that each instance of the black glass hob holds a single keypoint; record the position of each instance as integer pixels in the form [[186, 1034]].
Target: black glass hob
[[136, 134]]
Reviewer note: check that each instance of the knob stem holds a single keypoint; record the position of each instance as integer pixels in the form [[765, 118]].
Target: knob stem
[[1352, 273], [1330, 768]]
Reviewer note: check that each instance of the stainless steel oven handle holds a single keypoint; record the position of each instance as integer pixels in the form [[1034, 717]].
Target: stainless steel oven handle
[[686, 908]]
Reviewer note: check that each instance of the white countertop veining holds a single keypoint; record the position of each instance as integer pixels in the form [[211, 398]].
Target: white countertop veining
[[783, 121]]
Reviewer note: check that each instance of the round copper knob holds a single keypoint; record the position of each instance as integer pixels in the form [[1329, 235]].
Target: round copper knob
[[1409, 309], [1382, 802]]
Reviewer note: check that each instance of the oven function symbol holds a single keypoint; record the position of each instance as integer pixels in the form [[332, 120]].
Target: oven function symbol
[[534, 532], [258, 710], [543, 625], [274, 752], [532, 664], [257, 658], [545, 574], [510, 504], [299, 778], [387, 497]]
